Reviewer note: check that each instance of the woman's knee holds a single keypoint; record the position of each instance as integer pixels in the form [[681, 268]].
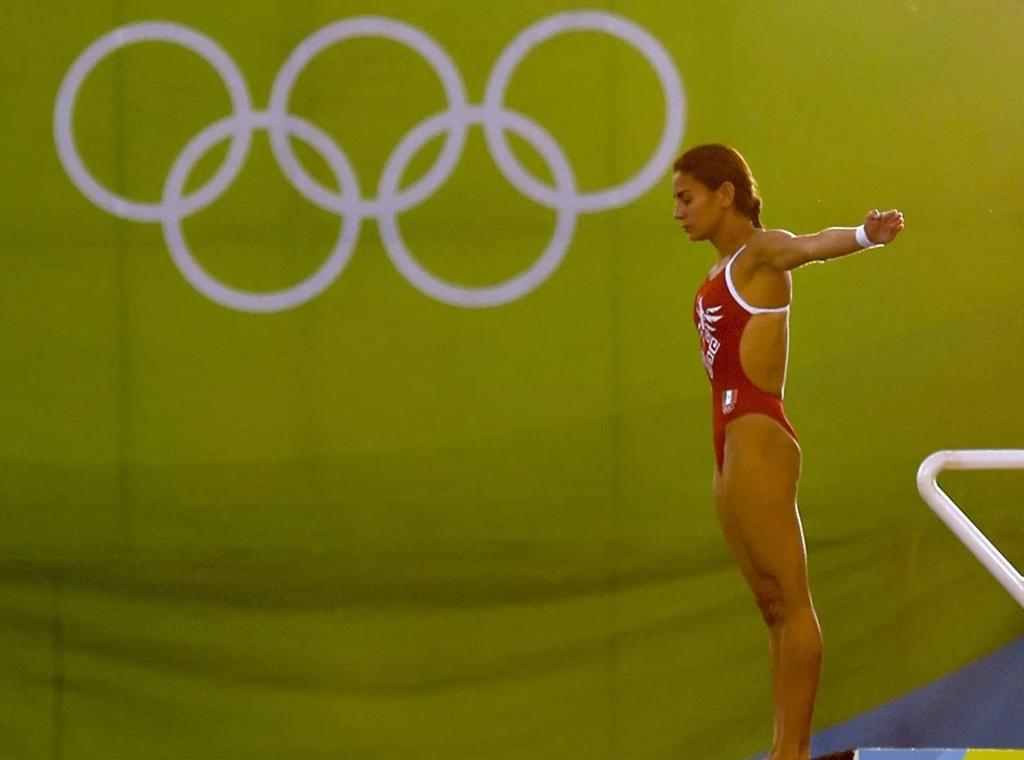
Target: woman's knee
[[770, 601], [778, 608]]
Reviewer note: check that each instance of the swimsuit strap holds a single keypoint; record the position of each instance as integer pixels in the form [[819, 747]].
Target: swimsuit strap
[[736, 293]]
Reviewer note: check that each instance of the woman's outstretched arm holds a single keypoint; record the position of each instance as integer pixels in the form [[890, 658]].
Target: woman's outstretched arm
[[784, 251]]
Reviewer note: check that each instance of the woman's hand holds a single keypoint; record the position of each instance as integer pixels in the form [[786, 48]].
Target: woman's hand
[[882, 226]]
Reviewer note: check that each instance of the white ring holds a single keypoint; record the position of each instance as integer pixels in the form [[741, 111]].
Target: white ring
[[391, 29], [202, 280], [523, 283], [643, 42], [151, 31]]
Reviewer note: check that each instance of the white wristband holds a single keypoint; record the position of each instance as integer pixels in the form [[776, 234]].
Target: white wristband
[[863, 241]]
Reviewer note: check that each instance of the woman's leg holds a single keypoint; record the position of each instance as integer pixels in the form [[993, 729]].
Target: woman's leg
[[755, 497], [739, 553]]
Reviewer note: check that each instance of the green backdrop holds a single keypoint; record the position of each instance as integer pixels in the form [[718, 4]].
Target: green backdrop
[[382, 526]]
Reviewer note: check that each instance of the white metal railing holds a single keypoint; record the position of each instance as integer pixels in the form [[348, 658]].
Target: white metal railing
[[953, 516]]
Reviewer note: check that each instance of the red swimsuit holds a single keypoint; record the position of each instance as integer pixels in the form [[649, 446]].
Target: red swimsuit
[[720, 315]]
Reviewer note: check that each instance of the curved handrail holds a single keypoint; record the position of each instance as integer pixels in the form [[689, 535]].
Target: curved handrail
[[957, 521]]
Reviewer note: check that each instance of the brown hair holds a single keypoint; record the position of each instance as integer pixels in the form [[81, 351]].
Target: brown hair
[[713, 164]]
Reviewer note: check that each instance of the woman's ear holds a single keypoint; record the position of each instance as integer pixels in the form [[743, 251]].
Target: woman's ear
[[726, 193]]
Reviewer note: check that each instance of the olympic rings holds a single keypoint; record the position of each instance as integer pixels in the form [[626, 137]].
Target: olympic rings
[[349, 203]]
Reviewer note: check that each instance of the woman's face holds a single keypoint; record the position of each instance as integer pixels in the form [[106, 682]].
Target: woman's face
[[697, 209]]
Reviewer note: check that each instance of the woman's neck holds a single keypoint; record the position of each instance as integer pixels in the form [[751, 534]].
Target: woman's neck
[[733, 233]]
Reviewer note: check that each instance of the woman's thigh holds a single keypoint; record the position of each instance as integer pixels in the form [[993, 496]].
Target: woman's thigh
[[755, 497]]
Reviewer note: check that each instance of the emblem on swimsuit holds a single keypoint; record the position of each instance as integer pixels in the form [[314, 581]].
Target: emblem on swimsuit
[[729, 400], [706, 319]]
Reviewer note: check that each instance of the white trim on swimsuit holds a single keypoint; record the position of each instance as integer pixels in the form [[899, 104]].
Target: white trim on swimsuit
[[736, 293]]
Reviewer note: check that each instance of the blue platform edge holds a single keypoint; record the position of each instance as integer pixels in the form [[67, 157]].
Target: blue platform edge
[[980, 705], [911, 754]]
